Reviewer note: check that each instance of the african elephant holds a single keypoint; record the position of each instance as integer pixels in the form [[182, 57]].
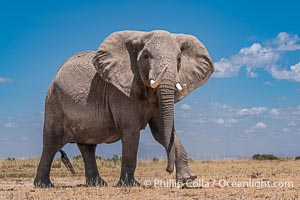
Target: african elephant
[[133, 80]]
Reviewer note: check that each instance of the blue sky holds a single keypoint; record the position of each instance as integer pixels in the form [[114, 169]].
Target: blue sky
[[250, 105]]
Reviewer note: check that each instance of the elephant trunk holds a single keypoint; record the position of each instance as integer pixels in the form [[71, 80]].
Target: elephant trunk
[[166, 94]]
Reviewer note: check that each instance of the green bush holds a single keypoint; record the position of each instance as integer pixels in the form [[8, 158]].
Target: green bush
[[297, 158], [116, 159], [98, 158], [78, 157], [264, 157], [155, 159]]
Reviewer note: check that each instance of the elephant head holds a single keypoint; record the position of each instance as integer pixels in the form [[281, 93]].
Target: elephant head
[[172, 65]]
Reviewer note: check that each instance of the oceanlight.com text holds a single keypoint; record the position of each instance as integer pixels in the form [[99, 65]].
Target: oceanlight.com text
[[221, 183]]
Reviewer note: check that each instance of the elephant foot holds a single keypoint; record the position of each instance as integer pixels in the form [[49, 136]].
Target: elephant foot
[[42, 183], [96, 181], [126, 182], [185, 174]]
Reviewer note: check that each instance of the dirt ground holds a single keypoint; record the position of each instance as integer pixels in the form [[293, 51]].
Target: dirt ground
[[225, 179]]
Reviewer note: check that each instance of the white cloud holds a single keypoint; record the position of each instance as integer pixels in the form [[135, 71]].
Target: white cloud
[[227, 118], [287, 42], [274, 111], [219, 121], [232, 121], [251, 112], [292, 74], [10, 125], [251, 74], [257, 126], [260, 125], [36, 124], [264, 55], [24, 138], [226, 122], [185, 107], [269, 83], [286, 130], [291, 115], [5, 80], [225, 69], [292, 123]]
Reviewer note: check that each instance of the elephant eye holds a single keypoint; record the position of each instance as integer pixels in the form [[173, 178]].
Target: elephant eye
[[179, 60], [146, 55], [178, 63]]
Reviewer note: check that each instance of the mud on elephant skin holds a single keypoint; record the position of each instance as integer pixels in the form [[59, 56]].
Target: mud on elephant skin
[[133, 79]]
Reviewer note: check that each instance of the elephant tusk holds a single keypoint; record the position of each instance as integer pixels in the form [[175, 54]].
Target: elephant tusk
[[182, 89], [154, 84], [178, 86]]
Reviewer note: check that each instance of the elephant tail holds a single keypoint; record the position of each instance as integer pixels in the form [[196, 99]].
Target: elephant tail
[[66, 161]]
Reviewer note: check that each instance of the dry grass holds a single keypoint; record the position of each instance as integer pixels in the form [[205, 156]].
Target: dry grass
[[16, 180]]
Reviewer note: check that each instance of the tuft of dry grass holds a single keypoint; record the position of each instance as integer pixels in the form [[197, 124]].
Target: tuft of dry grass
[[16, 180]]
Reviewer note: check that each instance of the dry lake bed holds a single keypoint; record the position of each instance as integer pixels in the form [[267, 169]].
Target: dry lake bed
[[220, 179]]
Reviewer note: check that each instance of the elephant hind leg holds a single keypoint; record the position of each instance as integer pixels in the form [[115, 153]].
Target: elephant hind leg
[[42, 178], [91, 171], [52, 144], [53, 139]]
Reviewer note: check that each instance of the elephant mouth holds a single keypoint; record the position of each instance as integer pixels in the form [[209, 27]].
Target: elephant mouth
[[155, 83]]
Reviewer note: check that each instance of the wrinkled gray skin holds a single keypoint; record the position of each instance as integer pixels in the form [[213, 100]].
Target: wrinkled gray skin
[[105, 96]]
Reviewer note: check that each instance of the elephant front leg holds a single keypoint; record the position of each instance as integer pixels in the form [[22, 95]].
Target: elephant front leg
[[91, 171], [183, 172], [130, 143]]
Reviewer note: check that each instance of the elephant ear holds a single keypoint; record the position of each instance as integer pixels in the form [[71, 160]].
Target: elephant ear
[[116, 62], [196, 65]]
